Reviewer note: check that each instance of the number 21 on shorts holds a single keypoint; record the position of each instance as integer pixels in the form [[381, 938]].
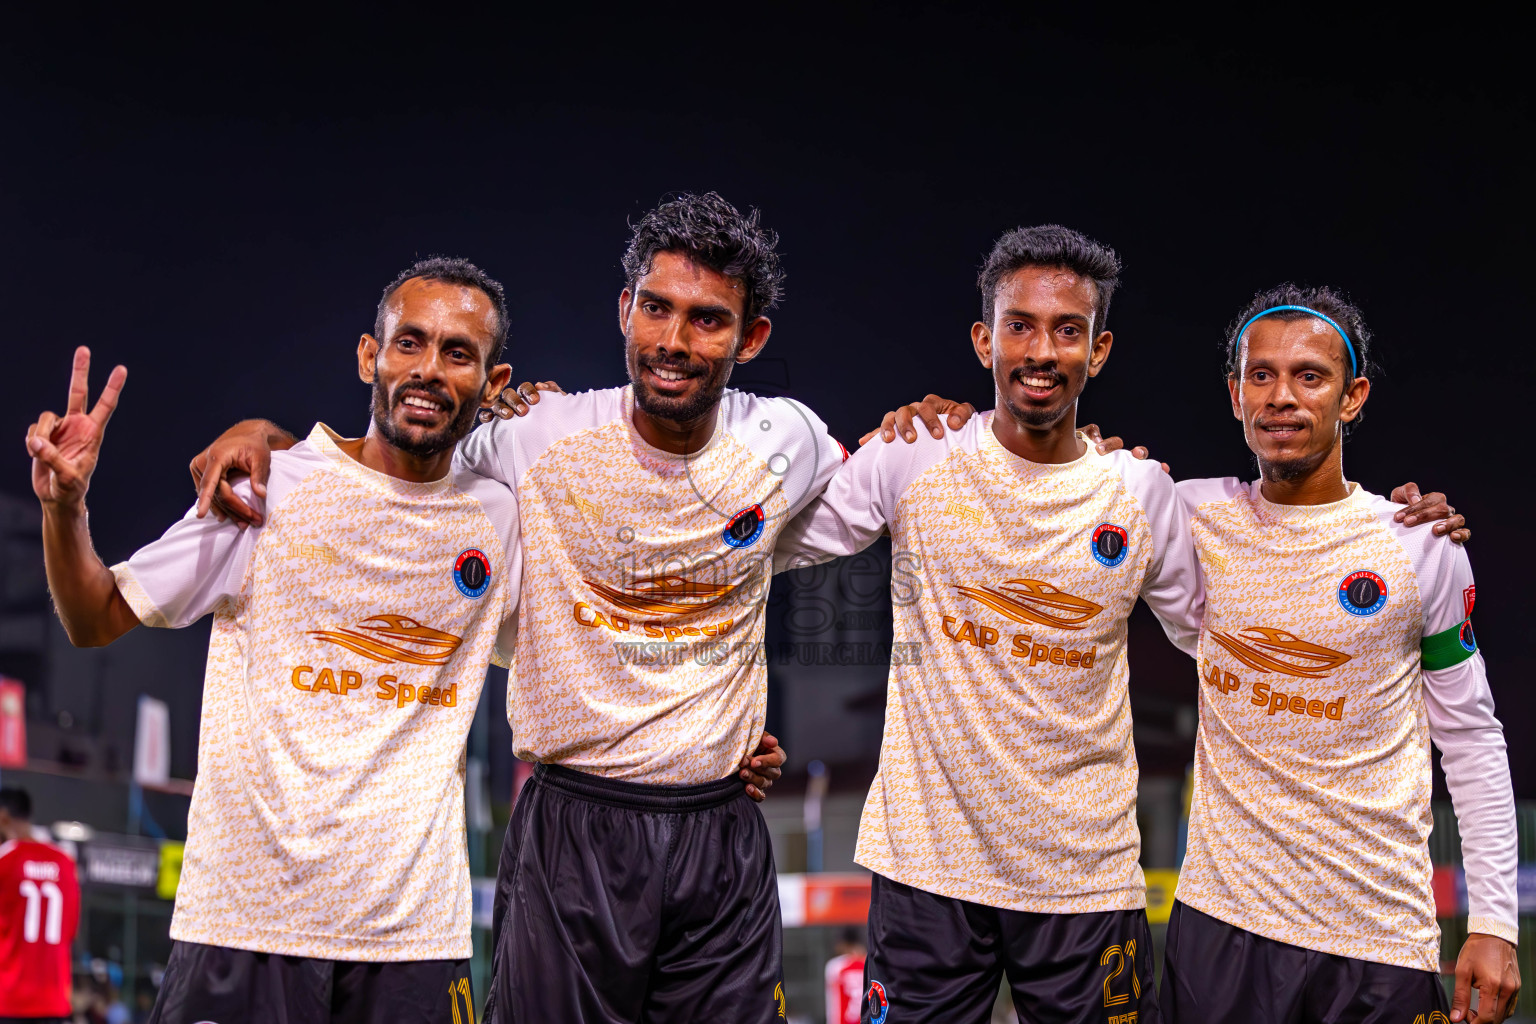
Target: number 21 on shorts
[[1121, 958]]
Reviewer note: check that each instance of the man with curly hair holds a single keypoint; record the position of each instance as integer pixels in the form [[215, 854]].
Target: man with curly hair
[[635, 882]]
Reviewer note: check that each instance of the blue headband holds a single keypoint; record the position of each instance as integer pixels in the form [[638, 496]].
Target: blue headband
[[1354, 367]]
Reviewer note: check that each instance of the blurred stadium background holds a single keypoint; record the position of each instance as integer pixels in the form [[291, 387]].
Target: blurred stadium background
[[106, 743]]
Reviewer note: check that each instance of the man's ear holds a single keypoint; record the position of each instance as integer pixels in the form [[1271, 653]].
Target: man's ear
[[1099, 354], [753, 339], [981, 338], [500, 376], [626, 307], [1234, 388], [367, 358], [1354, 399]]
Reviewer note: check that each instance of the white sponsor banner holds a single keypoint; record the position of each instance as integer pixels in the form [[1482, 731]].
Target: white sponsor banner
[[152, 743], [792, 900]]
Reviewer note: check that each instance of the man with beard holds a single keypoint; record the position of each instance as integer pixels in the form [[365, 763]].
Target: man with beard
[[325, 876], [1336, 645], [636, 883]]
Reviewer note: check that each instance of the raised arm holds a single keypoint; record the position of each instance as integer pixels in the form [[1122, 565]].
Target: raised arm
[[64, 452]]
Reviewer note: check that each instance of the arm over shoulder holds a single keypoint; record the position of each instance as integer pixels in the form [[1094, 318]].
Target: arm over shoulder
[[860, 502], [503, 449]]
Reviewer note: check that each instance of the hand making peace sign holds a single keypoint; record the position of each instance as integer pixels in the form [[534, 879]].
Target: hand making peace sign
[[64, 448]]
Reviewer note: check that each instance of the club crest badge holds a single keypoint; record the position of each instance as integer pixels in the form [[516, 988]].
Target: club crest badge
[[745, 527], [472, 572], [1110, 544], [876, 1006], [1362, 592]]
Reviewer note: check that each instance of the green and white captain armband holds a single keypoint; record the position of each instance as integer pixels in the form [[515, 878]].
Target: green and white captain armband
[[1449, 647]]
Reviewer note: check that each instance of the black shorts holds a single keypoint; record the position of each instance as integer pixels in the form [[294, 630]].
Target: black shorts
[[1215, 973], [238, 986], [941, 960], [620, 902]]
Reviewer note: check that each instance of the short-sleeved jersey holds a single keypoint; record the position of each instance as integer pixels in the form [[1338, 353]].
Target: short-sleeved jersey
[[645, 577], [350, 640], [39, 913], [1311, 804], [1007, 773]]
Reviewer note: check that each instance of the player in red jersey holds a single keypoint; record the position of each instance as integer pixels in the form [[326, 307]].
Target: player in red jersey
[[39, 912], [845, 978]]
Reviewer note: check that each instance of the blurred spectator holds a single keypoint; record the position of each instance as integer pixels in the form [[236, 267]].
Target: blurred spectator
[[845, 978], [116, 1012], [39, 912]]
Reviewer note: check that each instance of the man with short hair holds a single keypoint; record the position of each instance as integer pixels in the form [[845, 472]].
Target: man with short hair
[[1336, 645], [1001, 824], [325, 877], [39, 913]]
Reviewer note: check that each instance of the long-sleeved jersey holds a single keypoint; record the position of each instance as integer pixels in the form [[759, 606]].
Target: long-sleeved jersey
[[1336, 645], [1007, 773], [639, 650]]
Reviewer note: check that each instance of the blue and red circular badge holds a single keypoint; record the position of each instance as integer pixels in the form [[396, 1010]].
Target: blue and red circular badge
[[745, 527], [1110, 544], [1466, 637], [1362, 592], [878, 1005], [472, 572]]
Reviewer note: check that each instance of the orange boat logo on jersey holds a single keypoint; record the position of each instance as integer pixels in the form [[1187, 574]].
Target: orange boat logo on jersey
[[394, 638], [1275, 650], [1036, 602], [665, 595]]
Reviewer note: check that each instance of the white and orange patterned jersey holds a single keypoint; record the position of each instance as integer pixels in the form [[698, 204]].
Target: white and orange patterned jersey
[[1320, 695], [1007, 774], [639, 650], [350, 639]]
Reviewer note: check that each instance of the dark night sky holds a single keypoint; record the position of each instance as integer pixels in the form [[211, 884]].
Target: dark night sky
[[218, 204]]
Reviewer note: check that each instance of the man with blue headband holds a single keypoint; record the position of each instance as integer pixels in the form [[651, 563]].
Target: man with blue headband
[[1336, 645]]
